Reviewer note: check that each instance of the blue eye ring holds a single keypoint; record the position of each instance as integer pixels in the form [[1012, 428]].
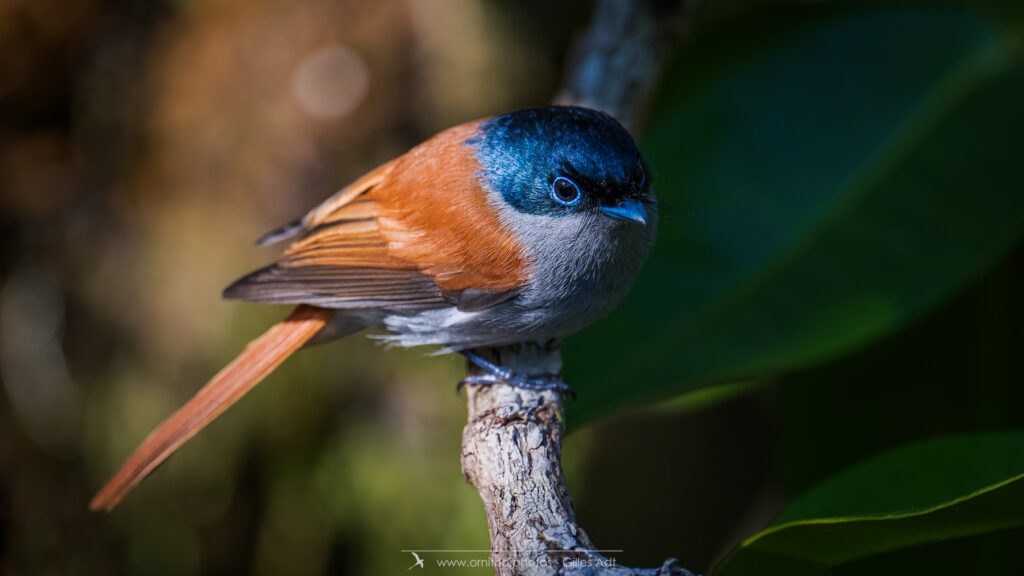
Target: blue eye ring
[[565, 191]]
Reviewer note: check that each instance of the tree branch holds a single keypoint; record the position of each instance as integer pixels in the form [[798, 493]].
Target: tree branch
[[511, 447], [618, 61]]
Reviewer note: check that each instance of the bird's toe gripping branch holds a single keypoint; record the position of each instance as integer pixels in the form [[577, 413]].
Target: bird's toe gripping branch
[[496, 374]]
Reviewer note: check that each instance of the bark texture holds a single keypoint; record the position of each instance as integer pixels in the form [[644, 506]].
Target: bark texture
[[618, 61], [511, 447]]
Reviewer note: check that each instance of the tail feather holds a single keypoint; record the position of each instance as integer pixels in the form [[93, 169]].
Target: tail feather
[[260, 358]]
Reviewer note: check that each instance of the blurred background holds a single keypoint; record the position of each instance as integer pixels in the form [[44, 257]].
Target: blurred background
[[144, 145]]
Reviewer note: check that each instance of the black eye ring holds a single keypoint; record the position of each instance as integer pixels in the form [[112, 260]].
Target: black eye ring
[[565, 191]]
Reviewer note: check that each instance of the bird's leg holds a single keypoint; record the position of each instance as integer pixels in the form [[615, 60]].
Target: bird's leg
[[496, 374]]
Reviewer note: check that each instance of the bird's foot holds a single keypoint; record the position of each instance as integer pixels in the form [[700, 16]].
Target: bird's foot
[[541, 382], [496, 374]]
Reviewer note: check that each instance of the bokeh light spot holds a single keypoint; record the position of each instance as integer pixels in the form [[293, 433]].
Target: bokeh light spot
[[331, 82]]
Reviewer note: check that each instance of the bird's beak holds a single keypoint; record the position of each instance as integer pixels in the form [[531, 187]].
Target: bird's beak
[[628, 209]]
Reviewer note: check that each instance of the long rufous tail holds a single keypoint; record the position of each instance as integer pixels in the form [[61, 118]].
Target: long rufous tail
[[260, 358]]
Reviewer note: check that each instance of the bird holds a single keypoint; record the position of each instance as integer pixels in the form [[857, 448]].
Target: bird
[[521, 227], [419, 561]]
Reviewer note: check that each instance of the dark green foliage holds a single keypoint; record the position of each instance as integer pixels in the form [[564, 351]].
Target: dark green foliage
[[928, 492], [827, 182], [830, 177]]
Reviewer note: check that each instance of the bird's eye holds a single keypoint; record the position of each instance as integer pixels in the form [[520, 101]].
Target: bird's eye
[[565, 191]]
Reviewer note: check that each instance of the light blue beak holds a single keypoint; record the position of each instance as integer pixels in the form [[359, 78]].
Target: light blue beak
[[629, 209]]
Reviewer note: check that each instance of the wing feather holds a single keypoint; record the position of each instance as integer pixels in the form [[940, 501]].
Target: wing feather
[[408, 236], [339, 288]]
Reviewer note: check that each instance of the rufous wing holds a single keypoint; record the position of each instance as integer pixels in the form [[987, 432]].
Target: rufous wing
[[416, 233]]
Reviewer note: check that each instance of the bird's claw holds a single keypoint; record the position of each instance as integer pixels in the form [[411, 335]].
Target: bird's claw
[[496, 374], [544, 382]]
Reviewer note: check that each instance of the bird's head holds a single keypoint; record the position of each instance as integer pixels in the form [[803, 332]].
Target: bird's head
[[570, 186], [562, 161]]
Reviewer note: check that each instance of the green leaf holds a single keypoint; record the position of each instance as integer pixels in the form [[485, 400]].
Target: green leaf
[[927, 492], [702, 398], [828, 178]]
